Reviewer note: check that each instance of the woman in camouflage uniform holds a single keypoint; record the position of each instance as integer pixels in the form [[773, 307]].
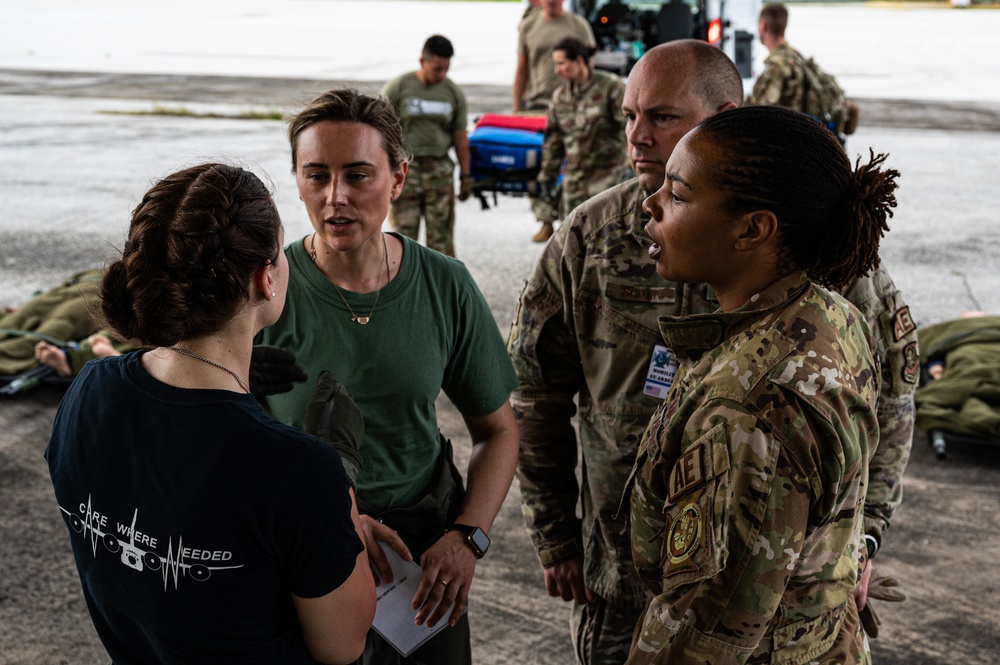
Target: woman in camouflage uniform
[[748, 489], [585, 127]]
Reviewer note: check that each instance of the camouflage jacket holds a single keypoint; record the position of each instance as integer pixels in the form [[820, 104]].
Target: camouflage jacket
[[748, 486], [782, 83], [586, 326], [795, 82], [895, 334], [585, 126]]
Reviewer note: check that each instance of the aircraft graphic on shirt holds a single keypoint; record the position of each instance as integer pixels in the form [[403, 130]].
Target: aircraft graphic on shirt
[[171, 566]]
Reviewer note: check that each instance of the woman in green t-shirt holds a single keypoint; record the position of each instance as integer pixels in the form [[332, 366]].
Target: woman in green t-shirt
[[398, 324]]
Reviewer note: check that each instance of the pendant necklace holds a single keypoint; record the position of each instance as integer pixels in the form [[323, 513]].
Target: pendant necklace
[[360, 320], [187, 353]]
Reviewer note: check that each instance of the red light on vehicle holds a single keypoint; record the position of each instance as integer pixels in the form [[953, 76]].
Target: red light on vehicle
[[714, 31]]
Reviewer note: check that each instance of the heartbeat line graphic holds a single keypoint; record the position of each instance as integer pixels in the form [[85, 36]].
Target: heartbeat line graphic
[[171, 567]]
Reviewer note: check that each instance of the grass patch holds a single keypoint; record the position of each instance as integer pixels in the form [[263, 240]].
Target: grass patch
[[184, 112]]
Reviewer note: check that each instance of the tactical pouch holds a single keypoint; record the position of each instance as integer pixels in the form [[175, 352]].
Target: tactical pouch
[[421, 524]]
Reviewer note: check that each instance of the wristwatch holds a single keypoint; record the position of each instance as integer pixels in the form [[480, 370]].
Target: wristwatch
[[871, 544], [474, 536]]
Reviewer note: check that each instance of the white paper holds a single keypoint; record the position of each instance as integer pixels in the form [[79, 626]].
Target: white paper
[[394, 614]]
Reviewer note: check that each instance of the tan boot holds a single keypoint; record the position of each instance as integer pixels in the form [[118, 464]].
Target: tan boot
[[544, 233]]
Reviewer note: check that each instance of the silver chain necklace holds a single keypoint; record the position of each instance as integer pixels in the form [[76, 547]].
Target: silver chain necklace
[[360, 320], [187, 353]]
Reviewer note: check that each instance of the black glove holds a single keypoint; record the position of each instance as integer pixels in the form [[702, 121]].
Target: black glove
[[333, 416], [273, 370]]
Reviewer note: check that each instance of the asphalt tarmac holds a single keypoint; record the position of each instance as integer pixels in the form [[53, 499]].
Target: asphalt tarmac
[[70, 174]]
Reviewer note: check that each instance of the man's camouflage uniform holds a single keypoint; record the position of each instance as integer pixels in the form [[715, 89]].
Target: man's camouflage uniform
[[587, 327], [792, 81], [429, 115], [585, 126], [782, 83], [895, 332], [749, 484]]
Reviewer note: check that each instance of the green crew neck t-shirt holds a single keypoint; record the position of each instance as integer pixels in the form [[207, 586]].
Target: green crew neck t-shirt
[[431, 330]]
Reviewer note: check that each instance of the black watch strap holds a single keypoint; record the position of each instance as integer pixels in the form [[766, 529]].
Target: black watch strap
[[476, 538], [872, 544]]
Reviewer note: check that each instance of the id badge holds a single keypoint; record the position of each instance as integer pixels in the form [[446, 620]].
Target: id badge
[[659, 377]]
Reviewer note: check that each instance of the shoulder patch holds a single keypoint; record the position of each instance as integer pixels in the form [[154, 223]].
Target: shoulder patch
[[911, 363], [902, 323], [686, 474], [683, 539]]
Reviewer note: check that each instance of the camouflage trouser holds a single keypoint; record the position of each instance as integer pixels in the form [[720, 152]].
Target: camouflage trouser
[[543, 209], [602, 631], [429, 192]]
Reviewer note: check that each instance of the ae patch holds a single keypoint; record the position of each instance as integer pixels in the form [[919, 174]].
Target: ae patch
[[911, 363], [685, 475], [902, 324]]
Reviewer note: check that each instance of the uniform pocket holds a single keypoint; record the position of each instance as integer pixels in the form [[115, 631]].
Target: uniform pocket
[[696, 511]]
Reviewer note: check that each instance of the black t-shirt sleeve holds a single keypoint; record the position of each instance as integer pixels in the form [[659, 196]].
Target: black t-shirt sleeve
[[313, 529]]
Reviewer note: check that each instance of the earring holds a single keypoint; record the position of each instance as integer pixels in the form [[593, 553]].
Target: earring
[[274, 294]]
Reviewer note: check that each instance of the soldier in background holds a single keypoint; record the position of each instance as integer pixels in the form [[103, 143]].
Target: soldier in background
[[434, 115], [586, 329], [782, 81], [535, 78], [584, 127], [794, 82]]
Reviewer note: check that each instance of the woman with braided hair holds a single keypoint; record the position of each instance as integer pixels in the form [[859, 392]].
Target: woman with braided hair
[[746, 498], [203, 530]]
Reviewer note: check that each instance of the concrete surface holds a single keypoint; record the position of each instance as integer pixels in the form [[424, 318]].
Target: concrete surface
[[69, 175]]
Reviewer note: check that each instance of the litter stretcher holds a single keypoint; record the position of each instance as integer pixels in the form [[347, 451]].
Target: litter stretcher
[[506, 155]]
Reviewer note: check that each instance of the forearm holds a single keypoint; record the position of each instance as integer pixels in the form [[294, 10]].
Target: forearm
[[520, 81], [461, 141], [491, 466]]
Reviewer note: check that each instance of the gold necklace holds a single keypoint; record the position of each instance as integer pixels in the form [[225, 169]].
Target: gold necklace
[[185, 352], [360, 320]]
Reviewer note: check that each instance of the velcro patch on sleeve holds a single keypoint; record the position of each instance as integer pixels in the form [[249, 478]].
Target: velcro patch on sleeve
[[902, 323], [911, 363], [686, 474]]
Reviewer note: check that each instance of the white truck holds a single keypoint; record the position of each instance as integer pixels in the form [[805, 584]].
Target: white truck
[[625, 29]]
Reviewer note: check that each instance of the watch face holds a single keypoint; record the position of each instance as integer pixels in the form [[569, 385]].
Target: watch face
[[480, 539]]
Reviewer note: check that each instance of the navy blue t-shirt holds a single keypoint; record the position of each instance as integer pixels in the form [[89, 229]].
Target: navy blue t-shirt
[[194, 516]]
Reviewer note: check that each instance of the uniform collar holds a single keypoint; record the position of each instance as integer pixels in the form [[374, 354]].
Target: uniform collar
[[697, 333]]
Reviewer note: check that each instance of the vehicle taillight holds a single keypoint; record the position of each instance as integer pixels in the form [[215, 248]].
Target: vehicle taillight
[[714, 31]]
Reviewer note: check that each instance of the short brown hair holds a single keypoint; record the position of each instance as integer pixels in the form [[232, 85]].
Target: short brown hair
[[775, 17], [348, 105]]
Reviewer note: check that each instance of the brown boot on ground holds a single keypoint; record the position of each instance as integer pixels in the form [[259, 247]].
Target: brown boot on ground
[[544, 233]]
